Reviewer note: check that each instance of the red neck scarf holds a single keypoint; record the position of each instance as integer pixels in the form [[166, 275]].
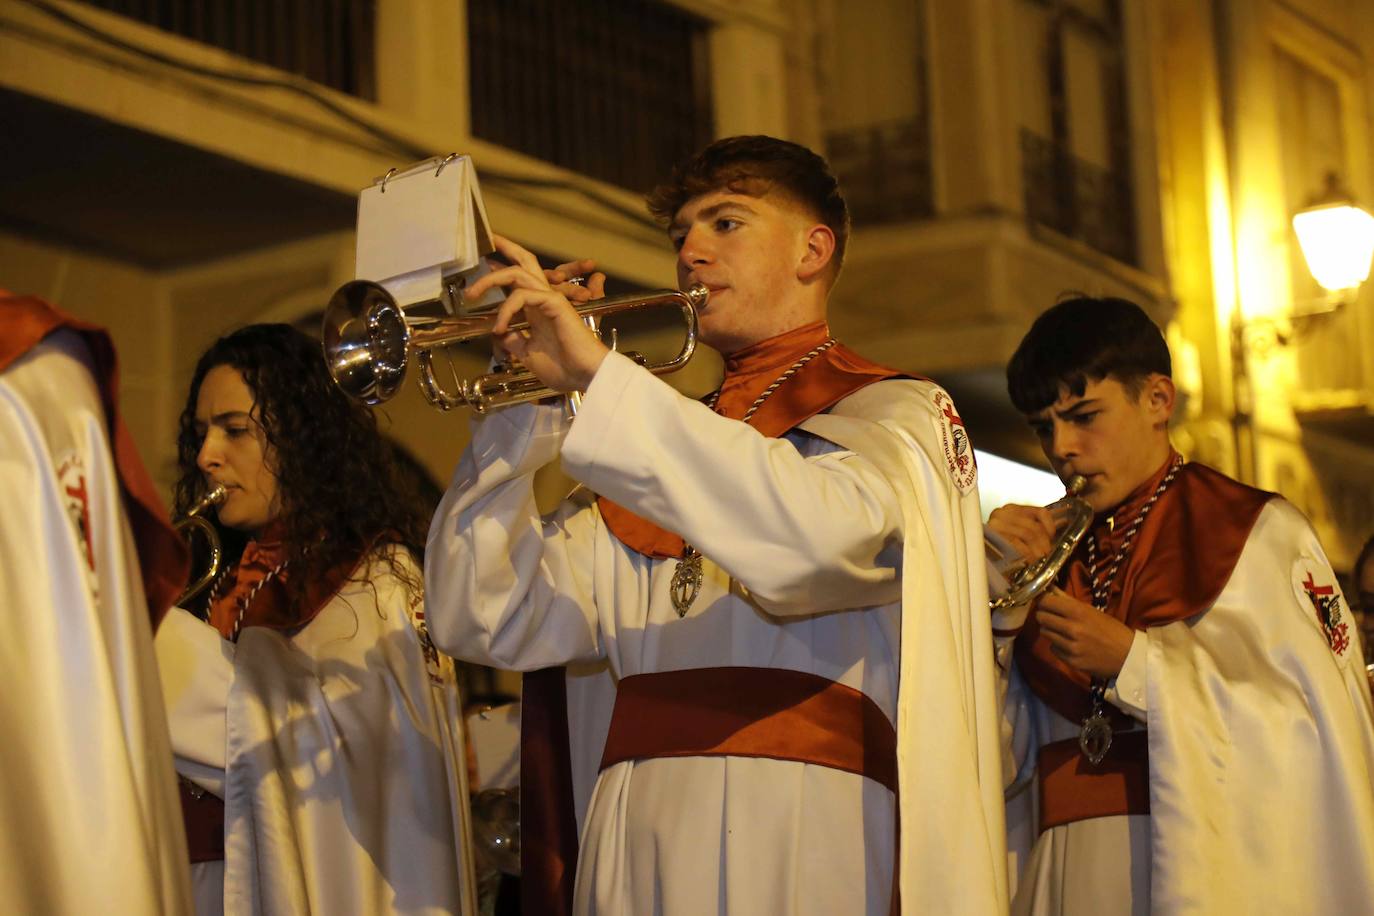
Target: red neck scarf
[[1184, 554], [825, 380], [269, 604]]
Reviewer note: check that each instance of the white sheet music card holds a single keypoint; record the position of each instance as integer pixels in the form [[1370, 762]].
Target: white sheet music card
[[422, 225]]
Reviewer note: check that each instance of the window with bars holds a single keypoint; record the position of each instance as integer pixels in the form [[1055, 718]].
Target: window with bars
[[615, 89], [1075, 128], [331, 42], [884, 170], [878, 141]]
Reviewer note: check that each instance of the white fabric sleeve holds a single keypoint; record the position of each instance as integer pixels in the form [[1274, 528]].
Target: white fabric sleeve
[[1020, 739], [1127, 691], [504, 587], [1001, 560], [196, 666], [1007, 622], [803, 535]]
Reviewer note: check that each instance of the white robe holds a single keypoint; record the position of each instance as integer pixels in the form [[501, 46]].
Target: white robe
[[337, 751], [1261, 744], [803, 543], [89, 815]]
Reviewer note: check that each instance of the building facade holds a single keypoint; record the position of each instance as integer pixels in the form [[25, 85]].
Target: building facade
[[181, 167]]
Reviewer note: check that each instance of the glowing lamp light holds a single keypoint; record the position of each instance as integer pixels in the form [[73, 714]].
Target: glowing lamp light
[[1337, 238]]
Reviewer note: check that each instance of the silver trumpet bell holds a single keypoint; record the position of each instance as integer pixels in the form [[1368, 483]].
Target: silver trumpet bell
[[368, 339], [1033, 578]]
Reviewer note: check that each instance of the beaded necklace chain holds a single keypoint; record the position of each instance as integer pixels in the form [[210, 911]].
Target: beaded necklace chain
[[1102, 587], [687, 577], [245, 600], [1095, 737], [777, 382]]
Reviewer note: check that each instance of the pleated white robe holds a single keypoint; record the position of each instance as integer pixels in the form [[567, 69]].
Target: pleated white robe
[[338, 752], [89, 816], [1261, 743], [803, 543]]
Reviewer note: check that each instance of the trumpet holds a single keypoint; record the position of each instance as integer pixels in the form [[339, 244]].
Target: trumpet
[[368, 338], [195, 520], [1031, 579]]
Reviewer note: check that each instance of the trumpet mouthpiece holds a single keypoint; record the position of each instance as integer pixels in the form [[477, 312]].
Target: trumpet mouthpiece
[[215, 497]]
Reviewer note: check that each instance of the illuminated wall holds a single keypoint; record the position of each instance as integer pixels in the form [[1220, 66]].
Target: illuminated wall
[[1259, 101], [998, 153]]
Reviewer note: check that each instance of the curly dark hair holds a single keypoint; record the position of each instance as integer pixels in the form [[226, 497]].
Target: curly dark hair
[[340, 488], [756, 165]]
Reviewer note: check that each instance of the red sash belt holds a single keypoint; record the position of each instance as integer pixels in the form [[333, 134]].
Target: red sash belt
[[203, 815], [1072, 789], [751, 712]]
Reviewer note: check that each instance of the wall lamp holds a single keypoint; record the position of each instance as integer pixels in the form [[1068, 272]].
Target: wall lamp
[[1337, 240]]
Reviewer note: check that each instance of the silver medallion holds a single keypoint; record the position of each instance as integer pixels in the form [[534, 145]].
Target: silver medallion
[[686, 584], [1095, 738]]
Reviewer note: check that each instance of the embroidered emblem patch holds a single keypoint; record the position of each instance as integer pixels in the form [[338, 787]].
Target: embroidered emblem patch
[[954, 441], [76, 500], [1316, 584], [434, 665]]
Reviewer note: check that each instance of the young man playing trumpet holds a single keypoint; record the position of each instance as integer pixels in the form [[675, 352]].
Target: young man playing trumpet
[[1191, 699], [742, 566]]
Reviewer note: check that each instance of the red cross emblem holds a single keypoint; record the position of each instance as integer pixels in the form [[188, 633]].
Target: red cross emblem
[[1327, 603]]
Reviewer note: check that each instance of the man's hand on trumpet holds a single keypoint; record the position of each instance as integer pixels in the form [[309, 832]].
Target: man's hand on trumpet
[[1030, 530], [557, 346], [578, 280], [1081, 635]]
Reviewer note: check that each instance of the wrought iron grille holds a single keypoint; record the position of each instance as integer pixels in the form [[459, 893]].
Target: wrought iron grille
[[884, 170], [1078, 199], [330, 42], [1086, 200], [615, 89]]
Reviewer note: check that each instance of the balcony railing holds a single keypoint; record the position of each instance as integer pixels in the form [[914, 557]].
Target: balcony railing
[[614, 89], [884, 170], [331, 42], [1078, 199]]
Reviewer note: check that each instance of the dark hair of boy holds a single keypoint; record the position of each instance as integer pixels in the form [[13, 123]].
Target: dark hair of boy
[[1081, 339]]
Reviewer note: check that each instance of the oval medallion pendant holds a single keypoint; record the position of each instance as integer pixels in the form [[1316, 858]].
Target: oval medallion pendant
[[686, 582], [1095, 739]]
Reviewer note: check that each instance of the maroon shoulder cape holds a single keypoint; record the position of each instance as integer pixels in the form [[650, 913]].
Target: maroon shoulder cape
[[1184, 555]]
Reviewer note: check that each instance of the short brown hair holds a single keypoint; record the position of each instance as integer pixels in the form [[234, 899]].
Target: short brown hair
[[756, 165]]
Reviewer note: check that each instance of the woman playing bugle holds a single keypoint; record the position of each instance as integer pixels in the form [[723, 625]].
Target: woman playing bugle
[[316, 731]]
